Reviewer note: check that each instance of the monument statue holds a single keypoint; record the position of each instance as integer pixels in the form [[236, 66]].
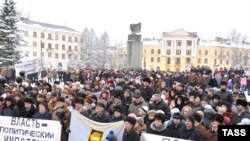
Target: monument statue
[[135, 28]]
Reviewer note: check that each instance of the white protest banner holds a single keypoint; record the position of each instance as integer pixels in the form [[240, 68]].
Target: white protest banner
[[29, 67], [26, 129], [152, 137], [84, 129]]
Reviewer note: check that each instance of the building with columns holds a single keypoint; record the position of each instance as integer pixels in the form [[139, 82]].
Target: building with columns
[[56, 47]]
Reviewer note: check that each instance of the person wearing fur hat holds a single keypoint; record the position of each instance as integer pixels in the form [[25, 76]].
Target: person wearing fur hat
[[28, 110], [174, 125], [129, 132], [117, 102], [100, 114], [138, 102], [224, 93], [79, 106], [242, 112], [140, 126], [146, 90], [151, 116], [118, 114], [197, 120], [10, 108], [212, 134], [189, 131], [158, 127]]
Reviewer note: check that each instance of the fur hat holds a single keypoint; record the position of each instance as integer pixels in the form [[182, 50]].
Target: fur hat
[[223, 83], [197, 117], [219, 118], [60, 113], [28, 100], [241, 102], [191, 118], [139, 120], [60, 99], [118, 108], [146, 79], [152, 112], [131, 120], [110, 136], [79, 100], [160, 116]]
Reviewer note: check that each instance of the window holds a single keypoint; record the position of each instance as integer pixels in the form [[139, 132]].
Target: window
[[63, 56], [49, 36], [49, 54], [168, 52], [168, 60], [34, 54], [49, 46], [63, 38], [34, 34], [63, 47], [56, 46], [220, 61], [227, 53], [158, 59], [34, 44], [188, 52], [144, 51], [42, 35], [76, 39], [69, 55], [152, 51], [227, 62], [70, 39], [159, 51], [144, 63], [215, 61], [169, 43], [178, 42], [70, 48], [178, 61], [178, 52], [42, 54], [189, 43], [188, 60], [76, 48], [42, 45], [199, 52], [199, 60], [56, 37], [205, 61], [215, 52], [56, 55], [152, 59], [206, 52]]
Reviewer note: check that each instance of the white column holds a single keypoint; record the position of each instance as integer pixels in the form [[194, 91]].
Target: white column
[[182, 48], [162, 47], [185, 47], [173, 48], [165, 47], [194, 47]]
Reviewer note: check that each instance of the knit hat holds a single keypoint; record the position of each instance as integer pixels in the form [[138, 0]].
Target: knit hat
[[144, 109], [131, 120], [197, 117], [139, 120], [226, 120], [60, 113], [174, 110], [219, 118], [132, 115], [110, 136], [118, 109], [245, 121], [160, 116], [160, 111], [177, 115], [191, 118], [241, 102]]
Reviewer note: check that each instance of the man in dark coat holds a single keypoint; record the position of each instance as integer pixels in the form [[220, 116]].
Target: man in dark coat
[[129, 132], [189, 131], [159, 104], [28, 110], [146, 91], [174, 125], [100, 114], [224, 94], [242, 112], [158, 127]]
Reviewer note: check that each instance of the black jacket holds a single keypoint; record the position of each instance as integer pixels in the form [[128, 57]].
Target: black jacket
[[237, 118], [131, 136], [29, 113], [103, 117], [147, 93], [161, 106], [172, 130], [190, 134]]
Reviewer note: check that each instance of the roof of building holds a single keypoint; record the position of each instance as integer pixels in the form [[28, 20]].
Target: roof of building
[[213, 43], [35, 24], [152, 42], [179, 33]]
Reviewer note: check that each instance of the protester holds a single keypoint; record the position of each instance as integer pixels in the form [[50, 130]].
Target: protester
[[129, 132], [43, 112]]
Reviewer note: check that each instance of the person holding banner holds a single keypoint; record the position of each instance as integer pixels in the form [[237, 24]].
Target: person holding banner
[[10, 108], [129, 132]]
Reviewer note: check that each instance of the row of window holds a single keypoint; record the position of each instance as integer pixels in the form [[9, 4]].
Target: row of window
[[56, 46], [215, 61], [49, 54], [177, 60], [178, 52], [179, 43], [56, 37]]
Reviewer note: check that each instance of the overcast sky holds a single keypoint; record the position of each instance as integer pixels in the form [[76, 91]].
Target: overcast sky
[[209, 18]]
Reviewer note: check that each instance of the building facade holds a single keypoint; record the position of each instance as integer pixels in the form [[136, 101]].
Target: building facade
[[179, 50], [56, 47]]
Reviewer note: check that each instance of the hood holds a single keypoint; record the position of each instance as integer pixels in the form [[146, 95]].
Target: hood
[[159, 129]]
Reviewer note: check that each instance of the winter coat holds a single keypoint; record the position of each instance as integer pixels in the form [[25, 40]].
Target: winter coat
[[212, 83], [102, 117], [237, 118], [210, 135], [172, 129], [201, 128], [29, 113], [134, 107], [131, 136], [126, 102], [161, 106], [162, 131], [225, 95], [46, 116], [190, 134], [147, 93], [12, 111], [114, 119]]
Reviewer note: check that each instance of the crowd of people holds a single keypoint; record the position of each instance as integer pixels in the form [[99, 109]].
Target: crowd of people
[[187, 105]]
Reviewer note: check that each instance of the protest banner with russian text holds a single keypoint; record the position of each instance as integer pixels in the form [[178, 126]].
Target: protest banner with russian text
[[152, 137]]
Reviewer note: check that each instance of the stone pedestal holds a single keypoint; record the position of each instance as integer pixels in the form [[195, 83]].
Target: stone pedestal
[[134, 51]]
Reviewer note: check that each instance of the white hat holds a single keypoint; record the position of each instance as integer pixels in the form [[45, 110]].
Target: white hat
[[160, 111], [144, 109]]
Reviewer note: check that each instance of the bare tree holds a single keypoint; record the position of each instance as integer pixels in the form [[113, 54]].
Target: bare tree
[[104, 44], [234, 41]]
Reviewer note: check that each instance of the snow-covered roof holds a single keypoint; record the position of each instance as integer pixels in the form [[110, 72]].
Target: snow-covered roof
[[47, 26], [213, 43], [152, 42]]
